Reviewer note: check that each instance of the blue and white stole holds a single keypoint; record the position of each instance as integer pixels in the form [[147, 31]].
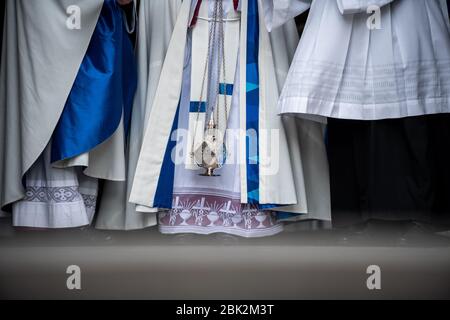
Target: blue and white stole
[[252, 103]]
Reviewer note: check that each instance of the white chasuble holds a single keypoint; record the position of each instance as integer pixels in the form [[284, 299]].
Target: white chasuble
[[81, 108], [41, 56], [367, 60], [244, 196]]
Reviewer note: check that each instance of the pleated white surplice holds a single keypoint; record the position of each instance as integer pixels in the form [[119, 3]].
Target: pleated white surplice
[[56, 198], [355, 64]]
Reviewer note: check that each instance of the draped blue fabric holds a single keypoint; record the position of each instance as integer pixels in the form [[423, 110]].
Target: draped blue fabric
[[103, 90], [164, 190], [252, 98]]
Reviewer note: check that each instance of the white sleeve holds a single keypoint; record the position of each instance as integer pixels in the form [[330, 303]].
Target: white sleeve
[[358, 6], [278, 12]]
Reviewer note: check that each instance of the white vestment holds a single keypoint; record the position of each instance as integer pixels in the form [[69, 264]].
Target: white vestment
[[41, 56], [367, 59], [299, 182], [56, 198]]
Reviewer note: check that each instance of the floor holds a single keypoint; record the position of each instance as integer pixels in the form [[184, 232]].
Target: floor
[[297, 264]]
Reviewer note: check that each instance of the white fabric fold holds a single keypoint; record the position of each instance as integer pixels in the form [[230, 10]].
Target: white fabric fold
[[278, 12], [358, 6]]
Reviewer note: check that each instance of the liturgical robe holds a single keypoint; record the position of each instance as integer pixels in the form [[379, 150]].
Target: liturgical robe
[[66, 102], [353, 63], [154, 30], [360, 77], [246, 196]]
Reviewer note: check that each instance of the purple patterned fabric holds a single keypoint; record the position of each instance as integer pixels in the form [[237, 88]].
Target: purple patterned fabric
[[213, 214]]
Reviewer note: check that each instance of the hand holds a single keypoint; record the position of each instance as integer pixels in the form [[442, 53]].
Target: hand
[[124, 2]]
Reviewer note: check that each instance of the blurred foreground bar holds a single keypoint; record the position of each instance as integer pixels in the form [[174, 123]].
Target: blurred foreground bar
[[147, 265]]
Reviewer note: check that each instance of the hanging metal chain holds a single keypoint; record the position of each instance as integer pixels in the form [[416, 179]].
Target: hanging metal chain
[[217, 19], [222, 57], [205, 74]]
